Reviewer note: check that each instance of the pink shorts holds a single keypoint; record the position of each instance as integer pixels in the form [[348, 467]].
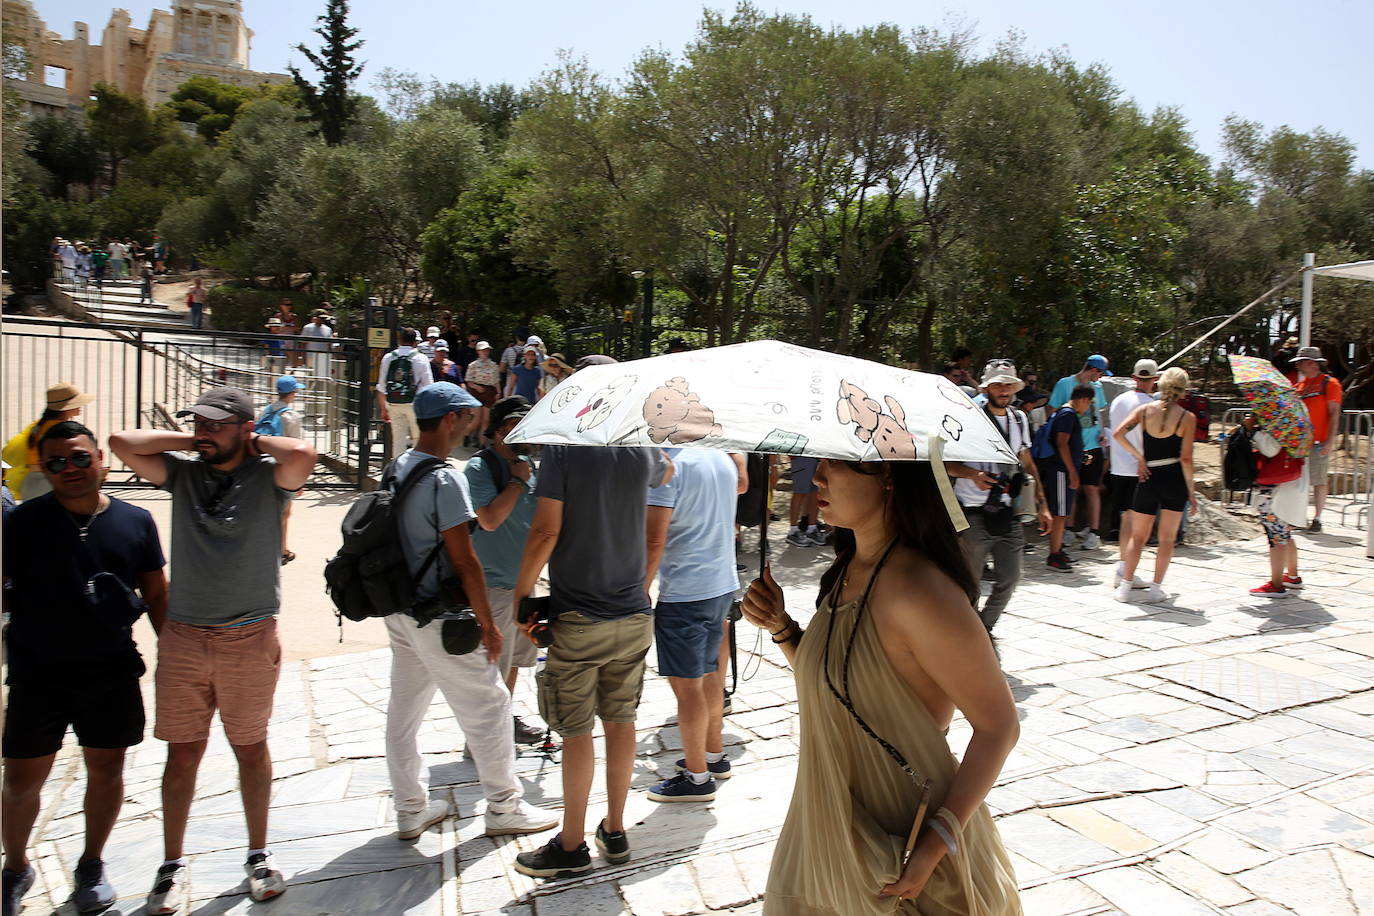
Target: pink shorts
[[201, 669]]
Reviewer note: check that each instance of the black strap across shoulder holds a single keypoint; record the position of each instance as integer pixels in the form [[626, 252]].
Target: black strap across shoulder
[[844, 697], [416, 474]]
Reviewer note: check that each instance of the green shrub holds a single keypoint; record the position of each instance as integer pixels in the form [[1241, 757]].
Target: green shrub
[[234, 308]]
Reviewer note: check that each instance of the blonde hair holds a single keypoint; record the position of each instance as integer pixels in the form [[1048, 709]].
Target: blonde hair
[[1173, 385]]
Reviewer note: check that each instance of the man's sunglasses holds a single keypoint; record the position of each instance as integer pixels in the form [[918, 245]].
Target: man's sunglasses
[[58, 463], [214, 426]]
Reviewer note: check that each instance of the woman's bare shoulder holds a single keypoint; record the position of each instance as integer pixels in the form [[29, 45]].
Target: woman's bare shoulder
[[916, 592]]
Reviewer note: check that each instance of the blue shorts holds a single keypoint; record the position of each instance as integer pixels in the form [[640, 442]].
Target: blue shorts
[[688, 634], [802, 471]]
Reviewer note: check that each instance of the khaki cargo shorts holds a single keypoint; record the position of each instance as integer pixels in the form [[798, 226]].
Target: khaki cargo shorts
[[595, 669], [1317, 467]]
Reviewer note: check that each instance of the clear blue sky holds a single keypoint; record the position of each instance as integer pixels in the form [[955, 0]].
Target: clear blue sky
[[1304, 64]]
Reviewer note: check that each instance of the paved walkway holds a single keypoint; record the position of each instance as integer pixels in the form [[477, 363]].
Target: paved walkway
[[1213, 754]]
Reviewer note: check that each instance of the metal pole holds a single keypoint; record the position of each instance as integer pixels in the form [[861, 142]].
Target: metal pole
[[647, 329], [1309, 261], [1272, 290]]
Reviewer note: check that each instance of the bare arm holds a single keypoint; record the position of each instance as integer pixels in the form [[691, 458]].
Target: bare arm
[[458, 545], [742, 469], [763, 606], [981, 479], [295, 459], [656, 536], [937, 628], [494, 514], [539, 544], [1061, 446], [141, 450], [1185, 455], [153, 586], [1042, 507]]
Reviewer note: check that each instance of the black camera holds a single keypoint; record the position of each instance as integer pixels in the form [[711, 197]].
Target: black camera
[[459, 628], [538, 611], [1010, 484]]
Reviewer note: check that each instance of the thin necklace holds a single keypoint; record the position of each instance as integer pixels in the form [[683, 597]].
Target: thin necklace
[[82, 530]]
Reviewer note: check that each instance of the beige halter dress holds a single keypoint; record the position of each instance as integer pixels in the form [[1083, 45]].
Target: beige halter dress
[[853, 804]]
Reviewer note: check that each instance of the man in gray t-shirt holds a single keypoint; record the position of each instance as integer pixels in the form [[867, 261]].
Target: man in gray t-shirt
[[433, 521], [218, 651], [589, 527]]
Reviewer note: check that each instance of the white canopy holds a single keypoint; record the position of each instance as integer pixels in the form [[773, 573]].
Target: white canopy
[[1355, 270]]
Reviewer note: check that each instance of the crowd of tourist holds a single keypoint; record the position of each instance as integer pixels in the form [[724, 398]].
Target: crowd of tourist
[[903, 591]]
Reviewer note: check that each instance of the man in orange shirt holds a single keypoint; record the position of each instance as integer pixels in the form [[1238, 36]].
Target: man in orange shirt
[[1321, 395]]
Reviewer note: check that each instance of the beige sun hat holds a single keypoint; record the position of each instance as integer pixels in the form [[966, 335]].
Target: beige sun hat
[[66, 396]]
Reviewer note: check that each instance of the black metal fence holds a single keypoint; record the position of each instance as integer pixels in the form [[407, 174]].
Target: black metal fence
[[142, 376]]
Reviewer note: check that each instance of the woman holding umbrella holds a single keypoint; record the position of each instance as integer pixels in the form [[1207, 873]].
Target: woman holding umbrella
[[1282, 482], [894, 648]]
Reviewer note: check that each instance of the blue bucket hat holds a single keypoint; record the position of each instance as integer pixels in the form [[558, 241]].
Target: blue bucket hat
[[440, 398], [289, 383]]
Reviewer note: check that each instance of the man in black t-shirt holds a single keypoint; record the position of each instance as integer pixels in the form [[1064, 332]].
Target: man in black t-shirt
[[1059, 471], [77, 561]]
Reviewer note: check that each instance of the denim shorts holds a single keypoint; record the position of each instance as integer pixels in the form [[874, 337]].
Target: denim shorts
[[688, 634]]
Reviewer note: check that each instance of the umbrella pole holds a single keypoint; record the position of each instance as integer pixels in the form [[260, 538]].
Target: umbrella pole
[[767, 497]]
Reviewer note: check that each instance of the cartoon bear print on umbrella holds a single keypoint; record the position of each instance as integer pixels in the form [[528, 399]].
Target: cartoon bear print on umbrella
[[676, 415], [887, 431]]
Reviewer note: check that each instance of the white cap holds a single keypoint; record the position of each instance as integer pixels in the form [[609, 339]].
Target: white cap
[[534, 340], [432, 332], [482, 345]]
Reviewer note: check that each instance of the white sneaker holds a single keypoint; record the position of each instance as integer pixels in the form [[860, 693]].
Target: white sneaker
[[523, 818], [1123, 591], [1153, 593], [1091, 541], [1070, 537], [409, 826], [169, 891], [265, 882], [1117, 580]]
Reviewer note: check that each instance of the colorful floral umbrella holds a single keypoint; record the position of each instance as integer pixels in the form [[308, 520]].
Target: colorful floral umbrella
[[1274, 403]]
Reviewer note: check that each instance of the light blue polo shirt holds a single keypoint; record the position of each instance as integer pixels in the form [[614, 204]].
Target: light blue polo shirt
[[1089, 422], [699, 557]]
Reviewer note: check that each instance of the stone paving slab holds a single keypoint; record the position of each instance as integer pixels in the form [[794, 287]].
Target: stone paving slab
[[1213, 753]]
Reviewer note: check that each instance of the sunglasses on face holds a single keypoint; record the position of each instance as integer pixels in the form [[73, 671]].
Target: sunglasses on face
[[214, 426], [58, 463]]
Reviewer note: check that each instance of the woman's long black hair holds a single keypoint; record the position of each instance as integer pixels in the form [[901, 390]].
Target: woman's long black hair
[[918, 519]]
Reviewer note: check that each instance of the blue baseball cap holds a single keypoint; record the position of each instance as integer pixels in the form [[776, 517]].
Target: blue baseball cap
[[289, 383], [1098, 361], [435, 400]]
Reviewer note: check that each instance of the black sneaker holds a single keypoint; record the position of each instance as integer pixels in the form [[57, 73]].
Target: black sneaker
[[1059, 563], [527, 734], [94, 893], [614, 847], [553, 861], [17, 884], [1316, 525]]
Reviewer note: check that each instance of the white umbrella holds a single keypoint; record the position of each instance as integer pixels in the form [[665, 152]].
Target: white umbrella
[[767, 396]]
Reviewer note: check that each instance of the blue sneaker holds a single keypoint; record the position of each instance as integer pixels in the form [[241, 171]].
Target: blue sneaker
[[718, 770], [94, 893], [680, 788]]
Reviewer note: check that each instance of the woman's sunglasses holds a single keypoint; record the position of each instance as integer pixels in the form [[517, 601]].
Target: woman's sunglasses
[[58, 463]]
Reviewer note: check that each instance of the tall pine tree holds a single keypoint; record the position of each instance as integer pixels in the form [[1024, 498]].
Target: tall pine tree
[[331, 105]]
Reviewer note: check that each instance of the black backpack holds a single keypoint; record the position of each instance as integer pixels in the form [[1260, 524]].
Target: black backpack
[[1238, 466], [369, 577], [400, 380], [750, 505]]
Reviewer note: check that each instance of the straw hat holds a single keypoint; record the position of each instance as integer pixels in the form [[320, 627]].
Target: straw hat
[[66, 396]]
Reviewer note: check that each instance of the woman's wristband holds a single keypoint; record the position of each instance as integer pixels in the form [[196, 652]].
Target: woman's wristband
[[943, 833]]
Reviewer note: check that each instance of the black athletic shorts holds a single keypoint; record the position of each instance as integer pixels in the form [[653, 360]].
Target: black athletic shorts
[[1090, 474], [105, 712], [1165, 488], [1123, 491]]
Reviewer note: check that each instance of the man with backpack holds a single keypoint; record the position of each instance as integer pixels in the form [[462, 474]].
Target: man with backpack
[[501, 480], [1090, 427], [403, 374], [1321, 395], [280, 418], [1058, 453], [988, 491], [432, 522]]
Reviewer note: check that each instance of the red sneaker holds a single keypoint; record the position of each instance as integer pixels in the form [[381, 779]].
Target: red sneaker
[[1270, 590], [1292, 581]]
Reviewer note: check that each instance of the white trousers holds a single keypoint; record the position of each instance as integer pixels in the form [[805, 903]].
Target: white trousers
[[480, 702], [403, 426]]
